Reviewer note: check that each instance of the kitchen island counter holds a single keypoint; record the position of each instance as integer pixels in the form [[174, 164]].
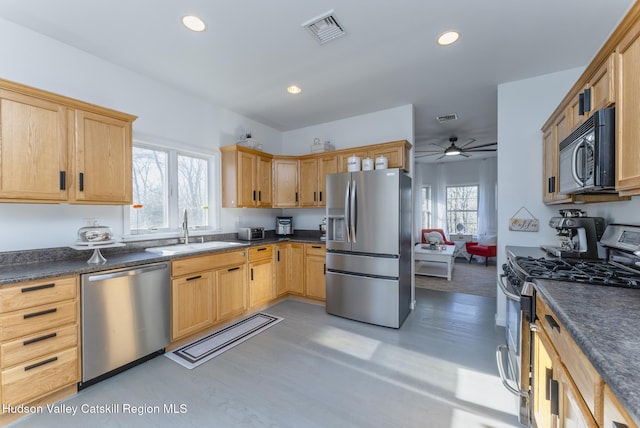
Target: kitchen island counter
[[603, 321]]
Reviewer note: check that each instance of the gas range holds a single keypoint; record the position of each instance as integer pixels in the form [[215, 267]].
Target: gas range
[[597, 272]]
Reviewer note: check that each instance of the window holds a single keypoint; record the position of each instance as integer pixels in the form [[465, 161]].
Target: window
[[426, 207], [167, 182], [462, 208]]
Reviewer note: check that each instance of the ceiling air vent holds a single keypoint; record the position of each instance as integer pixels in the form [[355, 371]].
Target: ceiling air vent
[[447, 117], [324, 28]]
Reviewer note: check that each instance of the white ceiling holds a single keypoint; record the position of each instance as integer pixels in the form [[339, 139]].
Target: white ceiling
[[253, 49]]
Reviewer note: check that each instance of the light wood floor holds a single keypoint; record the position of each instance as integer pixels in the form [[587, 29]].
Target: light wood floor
[[318, 370]]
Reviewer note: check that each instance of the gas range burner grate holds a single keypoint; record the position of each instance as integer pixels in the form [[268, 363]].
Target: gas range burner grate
[[591, 272]]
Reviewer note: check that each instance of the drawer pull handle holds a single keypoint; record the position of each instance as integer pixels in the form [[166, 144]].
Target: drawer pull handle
[[615, 424], [41, 363], [316, 246], [232, 269], [37, 314], [261, 249], [38, 287], [194, 277], [552, 322], [39, 339]]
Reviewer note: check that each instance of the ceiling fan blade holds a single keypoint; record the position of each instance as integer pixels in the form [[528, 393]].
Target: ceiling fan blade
[[467, 143], [462, 154], [441, 157], [481, 150], [428, 154], [482, 145]]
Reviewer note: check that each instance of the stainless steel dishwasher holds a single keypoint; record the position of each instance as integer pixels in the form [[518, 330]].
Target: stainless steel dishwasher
[[125, 319]]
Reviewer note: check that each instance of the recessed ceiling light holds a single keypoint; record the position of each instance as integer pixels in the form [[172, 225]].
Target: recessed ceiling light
[[293, 89], [194, 23], [448, 38]]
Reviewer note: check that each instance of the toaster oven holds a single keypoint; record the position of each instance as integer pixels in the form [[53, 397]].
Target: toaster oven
[[250, 233]]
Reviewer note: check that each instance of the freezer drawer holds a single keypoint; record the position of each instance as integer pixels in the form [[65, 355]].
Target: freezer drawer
[[388, 267], [372, 300]]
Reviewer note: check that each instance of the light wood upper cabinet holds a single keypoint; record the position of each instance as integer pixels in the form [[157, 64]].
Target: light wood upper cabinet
[[628, 114], [599, 92], [33, 148], [246, 178], [285, 183], [57, 149], [551, 176], [313, 173], [102, 159], [343, 157]]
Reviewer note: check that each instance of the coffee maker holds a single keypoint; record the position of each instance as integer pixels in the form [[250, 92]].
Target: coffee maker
[[578, 235], [284, 226]]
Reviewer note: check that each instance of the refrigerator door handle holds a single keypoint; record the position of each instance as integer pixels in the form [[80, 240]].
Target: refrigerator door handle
[[354, 211], [346, 210]]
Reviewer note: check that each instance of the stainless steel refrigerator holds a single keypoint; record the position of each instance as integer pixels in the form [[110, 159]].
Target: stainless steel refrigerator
[[369, 246]]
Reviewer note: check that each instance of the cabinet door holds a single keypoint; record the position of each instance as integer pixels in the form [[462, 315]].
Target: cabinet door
[[343, 158], [615, 415], [285, 183], [573, 412], [33, 148], [395, 156], [192, 307], [263, 181], [551, 176], [260, 282], [282, 263], [326, 165], [230, 291], [628, 113], [103, 165], [315, 273], [545, 387], [296, 268], [574, 116], [602, 86], [246, 176], [309, 182]]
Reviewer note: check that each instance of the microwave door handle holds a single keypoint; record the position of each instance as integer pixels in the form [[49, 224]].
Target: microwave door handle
[[574, 163], [346, 210]]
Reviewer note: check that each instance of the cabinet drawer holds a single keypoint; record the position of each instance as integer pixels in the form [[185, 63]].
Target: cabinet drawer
[[260, 252], [35, 293], [316, 249], [36, 345], [207, 262], [33, 320], [584, 375], [40, 376]]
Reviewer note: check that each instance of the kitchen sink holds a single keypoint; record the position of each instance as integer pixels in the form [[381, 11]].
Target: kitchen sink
[[170, 250]]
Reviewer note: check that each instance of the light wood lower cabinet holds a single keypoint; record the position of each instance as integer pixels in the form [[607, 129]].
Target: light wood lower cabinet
[[315, 271], [205, 290], [192, 304], [615, 415], [261, 288], [231, 291], [289, 268], [39, 337]]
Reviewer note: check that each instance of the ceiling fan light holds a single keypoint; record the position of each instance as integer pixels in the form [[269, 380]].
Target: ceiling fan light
[[452, 152], [194, 23], [448, 38]]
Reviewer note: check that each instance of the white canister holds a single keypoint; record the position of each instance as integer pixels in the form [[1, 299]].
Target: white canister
[[353, 163], [382, 162], [367, 164]]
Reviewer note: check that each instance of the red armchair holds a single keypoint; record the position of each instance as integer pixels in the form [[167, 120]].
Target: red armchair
[[440, 231], [485, 247]]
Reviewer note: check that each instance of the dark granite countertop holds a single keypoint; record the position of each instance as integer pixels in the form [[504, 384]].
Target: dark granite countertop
[[54, 262], [603, 321]]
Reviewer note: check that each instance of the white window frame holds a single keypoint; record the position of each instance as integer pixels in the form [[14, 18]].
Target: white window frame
[[446, 206], [175, 218]]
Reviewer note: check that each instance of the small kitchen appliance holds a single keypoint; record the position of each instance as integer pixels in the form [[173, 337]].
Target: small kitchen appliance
[[323, 229], [578, 235], [284, 226], [250, 233]]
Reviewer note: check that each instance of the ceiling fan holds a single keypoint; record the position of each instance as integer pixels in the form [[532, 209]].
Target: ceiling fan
[[452, 150]]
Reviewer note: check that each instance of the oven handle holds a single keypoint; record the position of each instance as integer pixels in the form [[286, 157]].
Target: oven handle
[[506, 292], [515, 391]]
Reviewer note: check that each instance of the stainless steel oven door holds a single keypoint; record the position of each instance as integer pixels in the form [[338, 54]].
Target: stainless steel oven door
[[515, 354]]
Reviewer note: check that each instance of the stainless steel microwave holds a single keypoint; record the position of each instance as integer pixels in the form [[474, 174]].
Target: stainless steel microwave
[[587, 155]]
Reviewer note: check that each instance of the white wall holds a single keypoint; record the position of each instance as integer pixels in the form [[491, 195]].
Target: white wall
[[523, 107], [164, 113]]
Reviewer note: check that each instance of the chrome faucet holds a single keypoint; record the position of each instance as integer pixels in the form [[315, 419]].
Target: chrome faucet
[[185, 227]]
